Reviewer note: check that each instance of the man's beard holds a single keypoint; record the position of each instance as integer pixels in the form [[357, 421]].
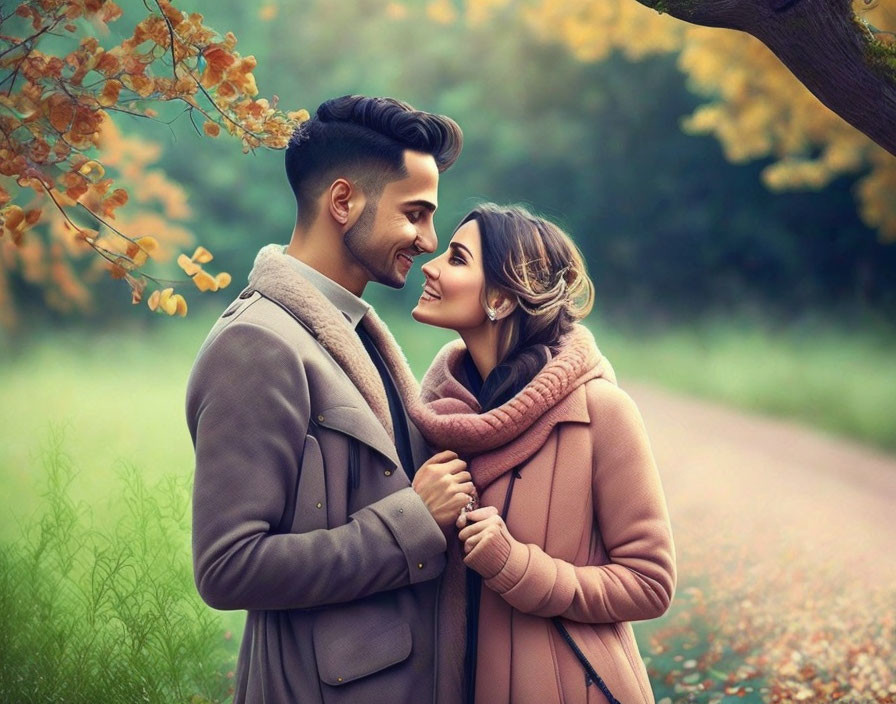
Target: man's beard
[[359, 242]]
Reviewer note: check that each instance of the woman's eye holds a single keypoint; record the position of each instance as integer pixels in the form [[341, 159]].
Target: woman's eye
[[457, 259]]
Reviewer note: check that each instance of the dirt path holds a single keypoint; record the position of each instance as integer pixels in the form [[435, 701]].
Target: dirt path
[[786, 541]]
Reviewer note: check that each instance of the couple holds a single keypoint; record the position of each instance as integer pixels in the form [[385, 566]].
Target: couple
[[484, 537]]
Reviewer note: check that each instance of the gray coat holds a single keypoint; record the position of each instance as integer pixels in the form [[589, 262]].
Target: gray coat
[[302, 514]]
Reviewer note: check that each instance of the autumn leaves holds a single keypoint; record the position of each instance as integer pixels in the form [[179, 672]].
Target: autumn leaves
[[54, 106]]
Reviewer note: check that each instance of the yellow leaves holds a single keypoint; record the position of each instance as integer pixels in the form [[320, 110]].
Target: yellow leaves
[[188, 265], [212, 129], [201, 278], [202, 255], [299, 116], [13, 221], [142, 249], [166, 301], [205, 281], [93, 170]]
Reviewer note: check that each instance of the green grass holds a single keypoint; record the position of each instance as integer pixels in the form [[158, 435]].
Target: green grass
[[104, 609], [843, 382]]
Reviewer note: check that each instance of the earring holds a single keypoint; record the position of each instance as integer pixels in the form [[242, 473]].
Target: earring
[[491, 313]]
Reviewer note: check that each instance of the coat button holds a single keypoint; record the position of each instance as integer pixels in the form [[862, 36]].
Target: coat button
[[319, 504], [388, 472], [320, 419], [339, 679], [419, 565]]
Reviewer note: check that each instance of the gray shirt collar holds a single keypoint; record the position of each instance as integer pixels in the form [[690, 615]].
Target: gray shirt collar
[[352, 307]]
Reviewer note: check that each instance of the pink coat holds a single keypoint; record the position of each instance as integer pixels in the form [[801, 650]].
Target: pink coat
[[590, 535]]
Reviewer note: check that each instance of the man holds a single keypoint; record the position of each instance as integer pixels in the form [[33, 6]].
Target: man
[[307, 509]]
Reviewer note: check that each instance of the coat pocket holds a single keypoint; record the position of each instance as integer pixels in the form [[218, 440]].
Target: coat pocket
[[350, 646], [310, 510]]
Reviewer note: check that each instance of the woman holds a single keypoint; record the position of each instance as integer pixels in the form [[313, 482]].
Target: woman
[[554, 445]]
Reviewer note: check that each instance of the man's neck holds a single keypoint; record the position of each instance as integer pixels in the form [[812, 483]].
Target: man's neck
[[329, 261]]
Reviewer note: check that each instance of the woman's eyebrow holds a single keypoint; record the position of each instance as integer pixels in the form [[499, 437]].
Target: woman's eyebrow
[[458, 245]]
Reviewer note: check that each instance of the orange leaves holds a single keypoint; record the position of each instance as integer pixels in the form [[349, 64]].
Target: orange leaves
[[61, 144], [140, 250], [110, 93], [60, 111], [116, 199], [218, 60]]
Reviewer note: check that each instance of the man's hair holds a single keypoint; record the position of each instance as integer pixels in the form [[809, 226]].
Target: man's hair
[[363, 139]]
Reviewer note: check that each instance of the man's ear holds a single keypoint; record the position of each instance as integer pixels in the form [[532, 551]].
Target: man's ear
[[503, 304], [344, 202]]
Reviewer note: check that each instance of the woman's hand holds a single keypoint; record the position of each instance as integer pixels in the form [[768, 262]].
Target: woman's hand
[[486, 540]]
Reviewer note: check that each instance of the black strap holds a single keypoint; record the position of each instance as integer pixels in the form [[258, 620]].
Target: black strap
[[591, 675]]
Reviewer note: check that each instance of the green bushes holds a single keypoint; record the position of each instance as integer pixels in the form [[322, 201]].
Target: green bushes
[[106, 611]]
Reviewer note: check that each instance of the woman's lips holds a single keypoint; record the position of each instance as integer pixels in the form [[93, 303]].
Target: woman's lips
[[429, 295]]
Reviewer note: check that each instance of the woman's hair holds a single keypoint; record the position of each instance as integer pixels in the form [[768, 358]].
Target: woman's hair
[[364, 139], [537, 265]]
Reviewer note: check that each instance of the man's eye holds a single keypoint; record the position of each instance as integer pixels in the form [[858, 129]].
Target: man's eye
[[414, 216]]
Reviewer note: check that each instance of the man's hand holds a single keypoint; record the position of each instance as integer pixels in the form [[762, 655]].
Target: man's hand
[[445, 486]]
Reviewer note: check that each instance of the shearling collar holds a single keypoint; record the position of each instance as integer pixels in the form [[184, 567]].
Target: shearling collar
[[274, 277], [449, 416]]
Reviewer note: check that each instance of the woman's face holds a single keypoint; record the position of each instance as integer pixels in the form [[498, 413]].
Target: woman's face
[[455, 282]]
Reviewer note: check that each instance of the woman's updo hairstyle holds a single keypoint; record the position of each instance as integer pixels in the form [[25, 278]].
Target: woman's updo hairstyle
[[537, 265]]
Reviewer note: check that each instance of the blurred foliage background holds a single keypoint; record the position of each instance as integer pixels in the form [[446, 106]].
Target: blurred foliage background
[[707, 281]]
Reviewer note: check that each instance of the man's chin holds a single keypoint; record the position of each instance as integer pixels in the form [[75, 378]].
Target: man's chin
[[392, 280]]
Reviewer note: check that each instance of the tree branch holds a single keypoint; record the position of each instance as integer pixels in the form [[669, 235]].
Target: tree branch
[[823, 45]]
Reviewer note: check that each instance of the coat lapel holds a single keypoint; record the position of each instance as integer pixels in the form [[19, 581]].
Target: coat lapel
[[274, 277]]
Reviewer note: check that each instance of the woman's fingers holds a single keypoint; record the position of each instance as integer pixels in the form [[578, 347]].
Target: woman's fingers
[[482, 513]]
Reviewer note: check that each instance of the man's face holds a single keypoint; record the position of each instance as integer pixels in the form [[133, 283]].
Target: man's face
[[391, 231]]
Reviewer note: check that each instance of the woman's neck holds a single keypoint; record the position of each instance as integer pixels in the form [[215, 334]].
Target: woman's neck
[[482, 344]]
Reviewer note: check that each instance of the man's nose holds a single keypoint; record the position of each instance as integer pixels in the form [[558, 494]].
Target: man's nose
[[427, 241]]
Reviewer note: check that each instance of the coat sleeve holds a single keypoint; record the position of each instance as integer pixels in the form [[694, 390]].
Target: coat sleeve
[[248, 410], [630, 509]]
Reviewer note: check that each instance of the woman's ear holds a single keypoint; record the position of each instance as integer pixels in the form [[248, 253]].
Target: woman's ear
[[502, 304]]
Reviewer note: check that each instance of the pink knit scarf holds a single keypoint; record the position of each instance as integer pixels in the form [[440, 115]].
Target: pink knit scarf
[[449, 416]]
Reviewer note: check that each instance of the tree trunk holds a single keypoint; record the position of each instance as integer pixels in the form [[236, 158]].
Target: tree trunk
[[822, 44]]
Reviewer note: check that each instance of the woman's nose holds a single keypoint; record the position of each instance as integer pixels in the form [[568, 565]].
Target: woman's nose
[[430, 270]]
